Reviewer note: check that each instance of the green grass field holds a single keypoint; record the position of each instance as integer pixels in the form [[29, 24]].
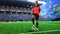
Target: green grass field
[[45, 27]]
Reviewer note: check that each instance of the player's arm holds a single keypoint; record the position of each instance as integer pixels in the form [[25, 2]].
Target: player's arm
[[39, 9], [32, 11]]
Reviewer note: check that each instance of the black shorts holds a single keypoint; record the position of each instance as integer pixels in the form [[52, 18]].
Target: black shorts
[[36, 16]]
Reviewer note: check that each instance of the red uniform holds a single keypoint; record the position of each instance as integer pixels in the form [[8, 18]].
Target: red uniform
[[36, 10]]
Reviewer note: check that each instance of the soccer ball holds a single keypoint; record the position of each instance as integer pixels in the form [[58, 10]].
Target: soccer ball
[[33, 29]]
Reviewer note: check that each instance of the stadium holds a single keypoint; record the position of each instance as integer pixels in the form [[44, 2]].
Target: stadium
[[15, 17]]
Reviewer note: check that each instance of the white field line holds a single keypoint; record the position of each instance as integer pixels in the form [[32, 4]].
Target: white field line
[[41, 32], [29, 21], [45, 31]]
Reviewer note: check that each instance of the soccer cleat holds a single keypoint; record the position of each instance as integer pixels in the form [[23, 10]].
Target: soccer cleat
[[37, 29], [33, 25]]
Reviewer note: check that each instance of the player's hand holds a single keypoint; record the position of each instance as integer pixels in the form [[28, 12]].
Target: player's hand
[[39, 14]]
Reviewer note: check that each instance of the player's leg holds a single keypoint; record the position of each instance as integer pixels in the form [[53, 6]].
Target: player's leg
[[33, 19], [36, 24], [37, 18], [33, 27]]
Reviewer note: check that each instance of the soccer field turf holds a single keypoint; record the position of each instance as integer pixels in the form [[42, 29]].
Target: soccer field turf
[[45, 27]]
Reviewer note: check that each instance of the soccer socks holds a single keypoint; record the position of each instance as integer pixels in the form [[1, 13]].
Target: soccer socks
[[36, 25], [33, 21]]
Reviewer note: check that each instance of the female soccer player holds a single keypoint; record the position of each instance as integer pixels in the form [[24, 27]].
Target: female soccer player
[[35, 14]]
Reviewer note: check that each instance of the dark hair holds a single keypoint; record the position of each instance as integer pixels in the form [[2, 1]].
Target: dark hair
[[37, 3]]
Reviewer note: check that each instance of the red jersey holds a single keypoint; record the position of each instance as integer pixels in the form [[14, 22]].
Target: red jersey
[[36, 10]]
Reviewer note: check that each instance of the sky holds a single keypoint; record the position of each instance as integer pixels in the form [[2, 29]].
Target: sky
[[47, 10], [48, 7]]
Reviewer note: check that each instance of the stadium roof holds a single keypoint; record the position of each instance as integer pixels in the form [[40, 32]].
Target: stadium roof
[[20, 3]]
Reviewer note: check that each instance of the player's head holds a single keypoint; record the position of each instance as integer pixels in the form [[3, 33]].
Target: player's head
[[36, 3]]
